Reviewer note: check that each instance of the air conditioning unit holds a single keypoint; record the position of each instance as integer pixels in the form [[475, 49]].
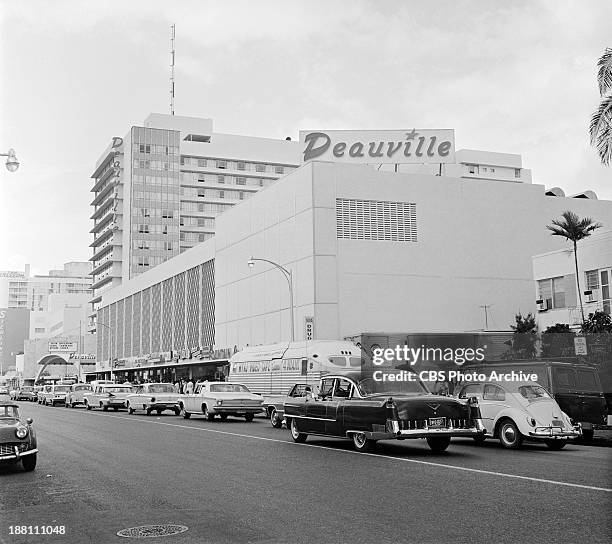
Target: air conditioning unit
[[591, 295], [542, 305]]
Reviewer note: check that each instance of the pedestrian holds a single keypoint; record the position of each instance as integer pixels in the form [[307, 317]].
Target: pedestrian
[[189, 388]]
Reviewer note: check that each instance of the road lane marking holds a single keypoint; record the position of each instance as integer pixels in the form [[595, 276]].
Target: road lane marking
[[378, 456]]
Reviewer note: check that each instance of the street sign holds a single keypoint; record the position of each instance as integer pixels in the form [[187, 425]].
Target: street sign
[[580, 345], [309, 328]]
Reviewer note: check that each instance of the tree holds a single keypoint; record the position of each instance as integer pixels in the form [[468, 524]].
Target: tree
[[574, 229], [600, 127], [598, 322], [558, 341], [523, 341]]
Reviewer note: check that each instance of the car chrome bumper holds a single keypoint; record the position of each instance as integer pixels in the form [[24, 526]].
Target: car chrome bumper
[[236, 410], [17, 455], [398, 434], [554, 432], [162, 405]]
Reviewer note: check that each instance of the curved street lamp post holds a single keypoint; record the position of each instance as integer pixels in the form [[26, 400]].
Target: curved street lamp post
[[289, 278]]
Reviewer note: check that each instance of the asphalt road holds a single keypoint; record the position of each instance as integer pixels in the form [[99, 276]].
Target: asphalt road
[[238, 482]]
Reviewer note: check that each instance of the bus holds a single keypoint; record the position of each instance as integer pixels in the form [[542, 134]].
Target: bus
[[274, 368]]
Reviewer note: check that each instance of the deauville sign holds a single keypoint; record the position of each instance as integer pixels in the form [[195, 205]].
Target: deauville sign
[[410, 146]]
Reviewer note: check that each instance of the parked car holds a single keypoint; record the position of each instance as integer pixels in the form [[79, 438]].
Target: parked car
[[37, 390], [17, 438], [221, 398], [4, 392], [576, 388], [76, 393], [53, 394], [107, 396], [153, 396], [366, 411], [275, 405], [25, 392], [518, 411]]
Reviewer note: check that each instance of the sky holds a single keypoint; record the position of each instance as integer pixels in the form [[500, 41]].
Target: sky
[[508, 76]]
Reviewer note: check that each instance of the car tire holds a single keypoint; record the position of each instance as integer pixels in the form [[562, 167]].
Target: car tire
[[480, 439], [509, 435], [207, 414], [363, 444], [587, 435], [249, 417], [148, 411], [87, 406], [186, 415], [275, 420], [296, 434], [29, 462], [438, 443], [104, 408], [159, 412], [177, 411], [223, 417], [556, 445], [130, 410]]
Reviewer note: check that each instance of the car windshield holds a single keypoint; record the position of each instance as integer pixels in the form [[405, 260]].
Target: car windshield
[[9, 412], [228, 388], [533, 392], [370, 386], [82, 387], [62, 388], [117, 389], [162, 388]]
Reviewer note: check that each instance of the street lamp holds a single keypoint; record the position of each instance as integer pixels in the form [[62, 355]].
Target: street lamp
[[11, 162], [289, 278], [110, 332]]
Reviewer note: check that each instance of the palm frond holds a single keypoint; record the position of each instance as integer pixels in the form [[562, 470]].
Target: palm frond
[[604, 72], [571, 227], [600, 129]]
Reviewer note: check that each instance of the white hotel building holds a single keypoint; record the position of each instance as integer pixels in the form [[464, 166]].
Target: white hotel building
[[158, 190], [369, 251]]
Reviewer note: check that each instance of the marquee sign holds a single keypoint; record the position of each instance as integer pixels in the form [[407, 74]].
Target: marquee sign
[[62, 346], [411, 146]]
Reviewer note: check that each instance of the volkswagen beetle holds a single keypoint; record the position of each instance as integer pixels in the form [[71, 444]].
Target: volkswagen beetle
[[518, 411]]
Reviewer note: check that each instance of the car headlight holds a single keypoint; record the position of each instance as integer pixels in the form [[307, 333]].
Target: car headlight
[[219, 402], [531, 421], [21, 432]]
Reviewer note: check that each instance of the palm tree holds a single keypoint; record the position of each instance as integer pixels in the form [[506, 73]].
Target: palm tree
[[600, 127], [574, 229]]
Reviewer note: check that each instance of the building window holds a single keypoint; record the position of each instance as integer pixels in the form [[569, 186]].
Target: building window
[[182, 161], [168, 246], [201, 237], [241, 195], [473, 168], [240, 181], [241, 166], [145, 148], [201, 192], [165, 229], [143, 229], [142, 244], [221, 194], [484, 169], [592, 280], [220, 179], [201, 178], [143, 261], [492, 169], [552, 292], [145, 212], [517, 172], [221, 164], [261, 182], [279, 169], [260, 167], [201, 162], [167, 214]]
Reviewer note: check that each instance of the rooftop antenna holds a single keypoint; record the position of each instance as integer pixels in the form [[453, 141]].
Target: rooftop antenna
[[172, 35]]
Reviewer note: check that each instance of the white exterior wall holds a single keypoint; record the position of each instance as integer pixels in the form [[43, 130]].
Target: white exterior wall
[[594, 253], [475, 242]]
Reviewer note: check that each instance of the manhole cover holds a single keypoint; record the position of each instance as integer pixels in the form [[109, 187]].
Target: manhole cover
[[152, 531]]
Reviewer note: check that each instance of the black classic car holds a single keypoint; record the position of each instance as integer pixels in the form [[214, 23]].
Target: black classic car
[[365, 411], [17, 439]]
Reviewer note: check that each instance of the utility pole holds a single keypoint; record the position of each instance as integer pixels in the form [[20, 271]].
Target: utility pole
[[486, 307]]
